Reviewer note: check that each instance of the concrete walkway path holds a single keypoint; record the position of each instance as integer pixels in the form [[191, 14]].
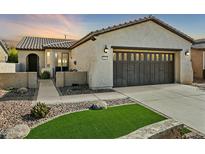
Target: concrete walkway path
[[47, 92], [183, 103]]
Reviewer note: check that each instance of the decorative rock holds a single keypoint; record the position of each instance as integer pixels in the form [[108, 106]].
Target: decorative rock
[[22, 90], [99, 105], [166, 129], [17, 132]]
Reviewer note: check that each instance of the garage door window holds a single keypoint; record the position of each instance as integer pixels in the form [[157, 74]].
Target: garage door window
[[142, 57], [171, 57], [120, 56], [167, 57], [148, 57], [125, 56], [162, 57], [132, 57], [114, 56], [152, 57], [137, 57], [157, 57]]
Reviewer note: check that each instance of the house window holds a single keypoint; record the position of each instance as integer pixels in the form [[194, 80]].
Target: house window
[[59, 62], [65, 59], [48, 58]]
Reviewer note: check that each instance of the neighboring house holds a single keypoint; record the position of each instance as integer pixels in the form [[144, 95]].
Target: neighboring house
[[198, 59], [140, 52], [3, 52], [37, 54]]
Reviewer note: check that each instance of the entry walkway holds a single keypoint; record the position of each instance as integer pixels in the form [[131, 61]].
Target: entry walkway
[[47, 92]]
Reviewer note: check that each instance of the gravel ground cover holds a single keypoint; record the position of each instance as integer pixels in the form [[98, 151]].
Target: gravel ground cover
[[82, 89], [18, 112], [7, 95]]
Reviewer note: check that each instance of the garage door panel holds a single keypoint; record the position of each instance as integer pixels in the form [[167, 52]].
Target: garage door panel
[[142, 68]]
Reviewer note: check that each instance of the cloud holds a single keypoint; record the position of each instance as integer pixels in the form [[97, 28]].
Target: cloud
[[40, 25]]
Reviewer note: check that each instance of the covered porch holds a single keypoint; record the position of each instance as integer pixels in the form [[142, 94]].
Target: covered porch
[[56, 60]]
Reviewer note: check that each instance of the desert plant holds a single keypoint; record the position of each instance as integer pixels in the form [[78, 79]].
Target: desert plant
[[12, 56], [40, 110], [45, 75]]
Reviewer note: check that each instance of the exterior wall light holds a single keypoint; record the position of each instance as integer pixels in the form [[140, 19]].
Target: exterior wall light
[[187, 53], [106, 49]]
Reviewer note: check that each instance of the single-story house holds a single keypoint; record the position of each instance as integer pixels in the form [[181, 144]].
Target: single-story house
[[140, 52], [198, 59], [3, 52]]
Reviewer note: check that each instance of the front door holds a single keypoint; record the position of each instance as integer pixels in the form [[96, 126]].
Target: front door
[[33, 63]]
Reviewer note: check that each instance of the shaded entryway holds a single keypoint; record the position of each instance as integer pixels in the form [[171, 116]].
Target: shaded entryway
[[32, 63]]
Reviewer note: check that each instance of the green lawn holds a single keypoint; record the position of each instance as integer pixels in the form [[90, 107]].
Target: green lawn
[[93, 124]]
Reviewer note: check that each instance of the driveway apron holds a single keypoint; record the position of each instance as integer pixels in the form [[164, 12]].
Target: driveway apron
[[182, 102]]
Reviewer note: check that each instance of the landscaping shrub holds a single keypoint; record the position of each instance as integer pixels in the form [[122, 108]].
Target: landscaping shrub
[[40, 110], [13, 56], [45, 75]]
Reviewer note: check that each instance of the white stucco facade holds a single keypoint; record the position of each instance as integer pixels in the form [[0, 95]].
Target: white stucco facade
[[45, 63], [22, 58], [89, 58], [3, 55]]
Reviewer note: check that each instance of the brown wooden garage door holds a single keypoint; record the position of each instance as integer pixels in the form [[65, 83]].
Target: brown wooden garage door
[[142, 68]]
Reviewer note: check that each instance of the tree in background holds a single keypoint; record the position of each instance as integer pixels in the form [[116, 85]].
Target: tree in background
[[13, 56]]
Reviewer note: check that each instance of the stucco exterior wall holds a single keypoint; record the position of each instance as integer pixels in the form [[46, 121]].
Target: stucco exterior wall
[[18, 80], [148, 34], [9, 67], [197, 63], [85, 56], [3, 55], [69, 78], [22, 58]]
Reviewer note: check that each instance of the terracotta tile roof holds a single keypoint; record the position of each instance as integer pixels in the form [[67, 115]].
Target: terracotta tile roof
[[4, 47], [40, 43], [92, 35]]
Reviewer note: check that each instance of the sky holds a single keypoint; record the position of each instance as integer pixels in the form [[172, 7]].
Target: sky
[[14, 27]]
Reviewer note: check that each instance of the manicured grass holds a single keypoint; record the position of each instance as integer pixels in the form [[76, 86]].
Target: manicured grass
[[111, 123]]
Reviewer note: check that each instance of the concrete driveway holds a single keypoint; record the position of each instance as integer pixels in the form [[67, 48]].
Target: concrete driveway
[[181, 102]]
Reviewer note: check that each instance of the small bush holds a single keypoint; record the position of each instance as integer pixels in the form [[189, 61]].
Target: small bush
[[45, 75], [12, 56], [40, 110]]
